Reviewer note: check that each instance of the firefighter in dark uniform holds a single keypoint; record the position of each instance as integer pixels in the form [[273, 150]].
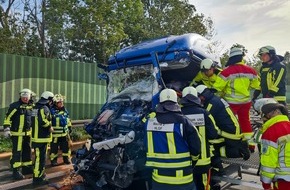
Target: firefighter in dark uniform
[[204, 122], [61, 129], [231, 143], [17, 124], [41, 136], [173, 145], [273, 76]]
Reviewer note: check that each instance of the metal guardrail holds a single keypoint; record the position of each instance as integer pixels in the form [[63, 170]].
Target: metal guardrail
[[75, 123]]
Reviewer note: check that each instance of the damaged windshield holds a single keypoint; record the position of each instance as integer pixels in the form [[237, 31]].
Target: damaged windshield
[[132, 83]]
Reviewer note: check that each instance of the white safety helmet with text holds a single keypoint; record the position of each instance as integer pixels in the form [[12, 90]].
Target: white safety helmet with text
[[168, 95]]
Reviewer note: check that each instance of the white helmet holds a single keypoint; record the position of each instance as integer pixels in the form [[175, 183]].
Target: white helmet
[[236, 51], [189, 90], [200, 89], [25, 92], [168, 95], [206, 64], [47, 95], [267, 49], [261, 102], [58, 98]]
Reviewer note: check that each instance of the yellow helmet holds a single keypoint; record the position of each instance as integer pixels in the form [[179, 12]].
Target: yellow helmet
[[58, 98], [168, 95]]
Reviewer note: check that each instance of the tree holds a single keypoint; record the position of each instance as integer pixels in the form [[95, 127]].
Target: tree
[[167, 17], [12, 30]]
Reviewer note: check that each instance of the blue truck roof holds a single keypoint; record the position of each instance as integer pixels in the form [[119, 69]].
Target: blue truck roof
[[166, 49]]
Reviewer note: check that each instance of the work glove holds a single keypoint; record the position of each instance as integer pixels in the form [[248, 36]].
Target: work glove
[[7, 132]]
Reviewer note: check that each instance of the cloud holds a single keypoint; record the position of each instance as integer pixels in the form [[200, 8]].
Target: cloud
[[252, 24]]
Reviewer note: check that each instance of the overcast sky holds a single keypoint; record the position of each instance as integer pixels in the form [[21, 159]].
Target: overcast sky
[[250, 23]]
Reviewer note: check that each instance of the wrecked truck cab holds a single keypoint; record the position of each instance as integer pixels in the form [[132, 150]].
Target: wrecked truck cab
[[135, 76]]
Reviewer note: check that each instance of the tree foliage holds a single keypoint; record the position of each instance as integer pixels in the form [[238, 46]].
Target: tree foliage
[[90, 30]]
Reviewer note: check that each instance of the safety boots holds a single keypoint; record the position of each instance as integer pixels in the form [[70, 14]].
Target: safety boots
[[17, 175]]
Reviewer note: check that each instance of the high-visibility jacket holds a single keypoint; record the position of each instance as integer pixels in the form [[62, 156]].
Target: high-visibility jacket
[[18, 118], [235, 83], [273, 81], [207, 129], [275, 150], [201, 78], [61, 122], [172, 145], [41, 123], [224, 118]]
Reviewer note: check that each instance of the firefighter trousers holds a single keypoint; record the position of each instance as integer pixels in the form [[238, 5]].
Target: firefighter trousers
[[59, 143], [40, 150], [21, 152]]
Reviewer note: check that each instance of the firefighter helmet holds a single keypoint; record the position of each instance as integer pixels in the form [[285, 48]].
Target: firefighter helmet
[[261, 102], [189, 90], [47, 95], [168, 95], [267, 49], [200, 89], [236, 51], [58, 98], [25, 92], [206, 64]]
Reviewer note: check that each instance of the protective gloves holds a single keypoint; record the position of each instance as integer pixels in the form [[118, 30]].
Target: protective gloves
[[7, 132]]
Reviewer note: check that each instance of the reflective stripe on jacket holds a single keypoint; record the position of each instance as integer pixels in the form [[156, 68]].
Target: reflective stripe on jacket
[[170, 149], [201, 78], [273, 80], [60, 122], [224, 118], [275, 150], [18, 118], [41, 122], [205, 124], [235, 82]]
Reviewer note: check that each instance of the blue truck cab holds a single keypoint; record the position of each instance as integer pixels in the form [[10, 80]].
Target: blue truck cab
[[135, 76]]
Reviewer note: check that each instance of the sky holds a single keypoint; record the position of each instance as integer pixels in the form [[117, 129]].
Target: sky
[[252, 23]]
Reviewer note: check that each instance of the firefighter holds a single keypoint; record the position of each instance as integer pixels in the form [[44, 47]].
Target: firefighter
[[172, 144], [207, 74], [17, 125], [231, 143], [204, 122], [62, 128], [275, 154], [273, 76], [235, 83], [41, 136]]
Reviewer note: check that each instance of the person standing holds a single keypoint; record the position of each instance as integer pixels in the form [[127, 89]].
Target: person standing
[[231, 142], [235, 83], [61, 130], [207, 74], [173, 145], [275, 143], [204, 122], [273, 76], [41, 136], [17, 125]]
